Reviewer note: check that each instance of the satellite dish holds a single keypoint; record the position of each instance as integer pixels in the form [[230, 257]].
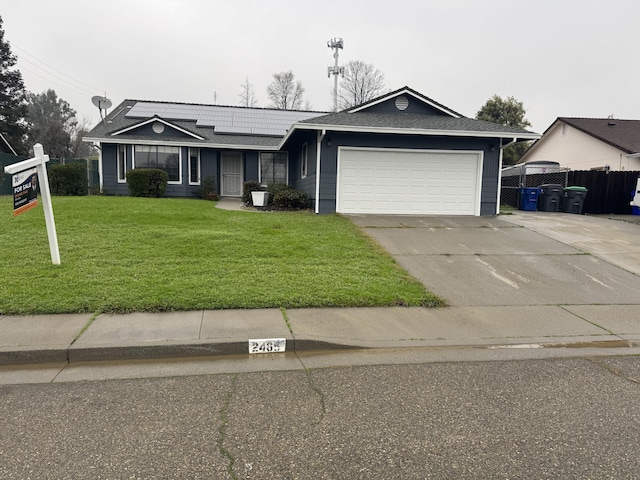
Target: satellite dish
[[101, 102]]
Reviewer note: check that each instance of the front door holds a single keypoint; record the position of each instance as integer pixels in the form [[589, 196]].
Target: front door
[[231, 173]]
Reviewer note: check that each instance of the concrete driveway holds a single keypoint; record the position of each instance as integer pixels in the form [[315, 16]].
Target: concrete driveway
[[528, 258]]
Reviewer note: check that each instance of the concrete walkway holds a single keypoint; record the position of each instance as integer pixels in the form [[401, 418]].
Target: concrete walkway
[[230, 203], [607, 316]]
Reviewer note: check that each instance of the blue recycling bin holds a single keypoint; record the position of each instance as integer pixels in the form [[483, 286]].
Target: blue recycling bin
[[529, 198]]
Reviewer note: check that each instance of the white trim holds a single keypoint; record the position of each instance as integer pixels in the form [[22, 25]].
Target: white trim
[[153, 120], [118, 172], [499, 183], [100, 171], [189, 166], [170, 182], [407, 131], [304, 163], [169, 143], [480, 166], [320, 137], [406, 91], [6, 142]]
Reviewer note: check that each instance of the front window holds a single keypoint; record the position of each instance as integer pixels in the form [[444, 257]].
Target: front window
[[273, 167], [194, 166], [122, 163], [163, 158]]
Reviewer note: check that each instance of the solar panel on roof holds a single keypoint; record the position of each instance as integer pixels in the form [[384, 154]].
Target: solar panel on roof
[[235, 120], [230, 129]]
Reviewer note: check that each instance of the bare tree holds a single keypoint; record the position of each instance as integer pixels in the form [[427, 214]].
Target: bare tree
[[285, 92], [361, 82], [248, 95]]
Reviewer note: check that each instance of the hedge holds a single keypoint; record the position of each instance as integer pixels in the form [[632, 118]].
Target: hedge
[[147, 182], [68, 180]]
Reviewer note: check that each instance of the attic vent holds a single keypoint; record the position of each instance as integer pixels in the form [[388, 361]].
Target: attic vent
[[158, 127], [402, 103]]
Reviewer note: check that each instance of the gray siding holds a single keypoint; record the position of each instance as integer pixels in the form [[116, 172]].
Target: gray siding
[[251, 166], [308, 183], [169, 133], [209, 166], [415, 106]]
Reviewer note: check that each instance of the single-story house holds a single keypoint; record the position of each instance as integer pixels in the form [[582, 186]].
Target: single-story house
[[589, 144], [5, 146], [401, 153]]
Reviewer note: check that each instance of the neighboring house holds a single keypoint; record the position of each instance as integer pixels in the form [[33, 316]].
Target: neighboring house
[[401, 153], [589, 144], [5, 146]]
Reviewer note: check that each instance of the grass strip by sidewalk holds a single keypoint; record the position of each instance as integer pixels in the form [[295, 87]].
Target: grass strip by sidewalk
[[122, 254]]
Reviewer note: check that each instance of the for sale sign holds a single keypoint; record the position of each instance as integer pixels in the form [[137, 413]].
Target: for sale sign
[[25, 191]]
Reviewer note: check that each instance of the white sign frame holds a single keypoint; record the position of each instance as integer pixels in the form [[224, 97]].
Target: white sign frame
[[40, 163]]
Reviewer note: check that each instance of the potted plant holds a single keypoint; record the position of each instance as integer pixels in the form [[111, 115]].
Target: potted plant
[[209, 189], [259, 198]]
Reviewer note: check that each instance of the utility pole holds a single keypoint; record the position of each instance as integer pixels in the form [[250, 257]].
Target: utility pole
[[335, 44]]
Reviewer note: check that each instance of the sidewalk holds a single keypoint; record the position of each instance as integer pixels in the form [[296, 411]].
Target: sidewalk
[[76, 338]]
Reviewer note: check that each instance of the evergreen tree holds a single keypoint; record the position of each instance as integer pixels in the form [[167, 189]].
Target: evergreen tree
[[13, 98], [52, 123], [509, 112]]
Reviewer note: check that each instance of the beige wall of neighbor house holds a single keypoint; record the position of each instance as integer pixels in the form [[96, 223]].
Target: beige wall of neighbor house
[[576, 150]]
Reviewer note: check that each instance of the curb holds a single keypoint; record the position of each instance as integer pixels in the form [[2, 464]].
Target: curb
[[208, 349], [74, 354]]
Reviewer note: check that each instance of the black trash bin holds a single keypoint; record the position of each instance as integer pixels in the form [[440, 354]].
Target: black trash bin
[[529, 198], [573, 199], [550, 199]]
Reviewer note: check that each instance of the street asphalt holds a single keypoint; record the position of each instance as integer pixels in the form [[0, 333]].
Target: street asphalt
[[525, 280]]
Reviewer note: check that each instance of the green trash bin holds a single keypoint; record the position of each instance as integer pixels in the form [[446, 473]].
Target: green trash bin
[[573, 199]]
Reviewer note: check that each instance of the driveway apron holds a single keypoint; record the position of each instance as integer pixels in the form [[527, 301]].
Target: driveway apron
[[491, 261]]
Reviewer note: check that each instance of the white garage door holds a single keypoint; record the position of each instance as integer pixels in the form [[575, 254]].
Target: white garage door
[[393, 181]]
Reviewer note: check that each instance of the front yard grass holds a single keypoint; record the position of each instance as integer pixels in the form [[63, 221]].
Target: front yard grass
[[122, 254]]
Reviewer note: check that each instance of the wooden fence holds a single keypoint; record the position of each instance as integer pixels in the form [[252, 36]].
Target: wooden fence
[[607, 192]]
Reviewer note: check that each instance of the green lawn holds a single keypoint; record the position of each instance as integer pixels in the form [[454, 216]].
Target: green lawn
[[122, 254]]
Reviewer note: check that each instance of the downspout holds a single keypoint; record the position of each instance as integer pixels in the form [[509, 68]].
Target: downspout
[[500, 179], [100, 166], [502, 147], [318, 151]]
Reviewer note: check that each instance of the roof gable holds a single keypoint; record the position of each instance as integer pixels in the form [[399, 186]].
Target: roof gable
[[405, 100], [621, 134], [158, 126]]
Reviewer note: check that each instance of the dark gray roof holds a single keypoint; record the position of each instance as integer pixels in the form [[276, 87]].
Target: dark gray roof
[[118, 120], [622, 134], [415, 122]]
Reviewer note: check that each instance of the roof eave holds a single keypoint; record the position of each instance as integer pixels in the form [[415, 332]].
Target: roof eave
[[520, 136], [181, 143]]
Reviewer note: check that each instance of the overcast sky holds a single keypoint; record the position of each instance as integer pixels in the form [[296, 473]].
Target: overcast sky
[[576, 58]]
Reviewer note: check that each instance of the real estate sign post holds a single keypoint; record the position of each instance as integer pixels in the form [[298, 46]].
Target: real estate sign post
[[26, 175]]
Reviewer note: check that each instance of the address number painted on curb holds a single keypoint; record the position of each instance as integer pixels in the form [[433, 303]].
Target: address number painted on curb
[[267, 345]]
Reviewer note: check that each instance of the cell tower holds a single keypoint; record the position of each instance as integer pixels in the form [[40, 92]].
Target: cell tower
[[336, 44]]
